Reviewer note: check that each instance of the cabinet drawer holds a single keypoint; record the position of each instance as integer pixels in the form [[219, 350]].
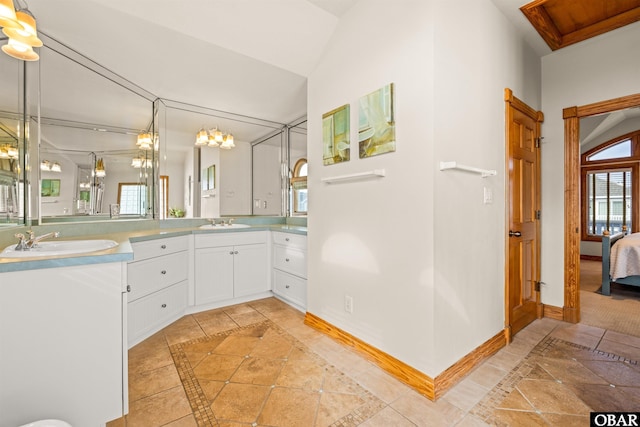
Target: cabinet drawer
[[146, 315], [291, 260], [290, 239], [145, 277], [290, 287], [158, 247], [212, 240]]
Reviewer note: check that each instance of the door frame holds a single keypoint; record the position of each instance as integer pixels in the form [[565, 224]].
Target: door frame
[[538, 116], [572, 224]]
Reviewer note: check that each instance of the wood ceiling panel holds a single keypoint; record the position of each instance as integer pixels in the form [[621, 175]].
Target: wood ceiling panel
[[565, 22]]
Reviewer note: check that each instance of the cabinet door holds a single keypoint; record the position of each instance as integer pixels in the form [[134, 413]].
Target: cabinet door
[[250, 270], [214, 274]]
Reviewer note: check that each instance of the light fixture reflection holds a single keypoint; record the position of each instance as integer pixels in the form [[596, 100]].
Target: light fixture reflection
[[20, 28]]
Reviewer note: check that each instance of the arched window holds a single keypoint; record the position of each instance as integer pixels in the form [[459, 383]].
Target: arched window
[[610, 198], [299, 188]]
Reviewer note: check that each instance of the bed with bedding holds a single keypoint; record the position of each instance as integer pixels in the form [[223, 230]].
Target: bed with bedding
[[620, 260]]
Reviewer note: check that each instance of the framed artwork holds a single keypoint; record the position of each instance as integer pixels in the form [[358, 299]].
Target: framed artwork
[[50, 188], [335, 136], [209, 178], [376, 122]]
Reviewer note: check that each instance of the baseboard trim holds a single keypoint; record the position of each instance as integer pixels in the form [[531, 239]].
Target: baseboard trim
[[422, 383], [553, 312]]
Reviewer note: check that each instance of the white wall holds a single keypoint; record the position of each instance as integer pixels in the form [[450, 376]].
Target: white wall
[[267, 180], [417, 250], [477, 55], [235, 180], [210, 203], [599, 69]]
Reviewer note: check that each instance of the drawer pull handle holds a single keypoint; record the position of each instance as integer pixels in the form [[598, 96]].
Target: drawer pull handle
[[287, 286], [286, 259], [236, 252], [286, 239], [163, 247], [163, 272], [164, 306]]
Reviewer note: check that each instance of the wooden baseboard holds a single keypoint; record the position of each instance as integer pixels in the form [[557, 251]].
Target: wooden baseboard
[[422, 383], [553, 312], [591, 257], [570, 315]]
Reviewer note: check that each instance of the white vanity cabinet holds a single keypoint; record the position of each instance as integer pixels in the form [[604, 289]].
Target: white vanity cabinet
[[157, 281], [290, 268], [62, 352], [230, 266]]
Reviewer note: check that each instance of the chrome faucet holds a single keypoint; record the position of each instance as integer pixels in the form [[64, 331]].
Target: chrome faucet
[[24, 243], [231, 221]]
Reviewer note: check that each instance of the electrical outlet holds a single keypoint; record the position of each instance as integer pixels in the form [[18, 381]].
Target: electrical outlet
[[348, 304]]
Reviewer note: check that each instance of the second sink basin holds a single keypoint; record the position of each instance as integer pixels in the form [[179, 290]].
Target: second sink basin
[[223, 227], [59, 247]]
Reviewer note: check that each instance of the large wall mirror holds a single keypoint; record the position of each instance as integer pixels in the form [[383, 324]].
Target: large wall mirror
[[13, 124], [248, 179], [91, 160]]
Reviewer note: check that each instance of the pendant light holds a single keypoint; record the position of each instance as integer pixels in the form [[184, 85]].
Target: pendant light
[[20, 28], [8, 16]]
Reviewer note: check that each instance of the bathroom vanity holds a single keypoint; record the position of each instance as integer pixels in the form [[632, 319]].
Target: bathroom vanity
[[66, 323]]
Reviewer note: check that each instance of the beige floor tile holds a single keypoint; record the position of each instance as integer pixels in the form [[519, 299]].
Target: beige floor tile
[[552, 397], [159, 409], [237, 345], [272, 346], [217, 367], [185, 329], [304, 374], [622, 338], [509, 418], [471, 421], [255, 370], [615, 372], [465, 395], [151, 382], [487, 375], [187, 421], [423, 412], [566, 420], [620, 349], [579, 334], [381, 384], [569, 371], [334, 406], [386, 418], [603, 397], [247, 318], [288, 407], [217, 324], [504, 360], [240, 402], [198, 350]]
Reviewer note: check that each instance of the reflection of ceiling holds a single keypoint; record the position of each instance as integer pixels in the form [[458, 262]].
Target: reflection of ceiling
[[231, 56], [562, 23]]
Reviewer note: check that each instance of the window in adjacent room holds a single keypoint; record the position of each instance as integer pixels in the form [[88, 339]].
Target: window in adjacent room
[[610, 187]]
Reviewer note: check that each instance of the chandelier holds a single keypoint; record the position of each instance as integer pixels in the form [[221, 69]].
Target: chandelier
[[99, 170], [20, 27], [214, 138], [48, 166]]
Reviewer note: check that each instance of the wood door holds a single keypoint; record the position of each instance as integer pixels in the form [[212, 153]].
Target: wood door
[[522, 294]]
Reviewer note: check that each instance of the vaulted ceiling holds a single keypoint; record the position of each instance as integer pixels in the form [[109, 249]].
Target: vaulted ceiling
[[247, 57]]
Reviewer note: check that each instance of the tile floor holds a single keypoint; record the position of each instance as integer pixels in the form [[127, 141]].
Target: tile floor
[[257, 364]]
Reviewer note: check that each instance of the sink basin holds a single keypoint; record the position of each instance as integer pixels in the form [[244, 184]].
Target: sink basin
[[59, 247], [223, 227]]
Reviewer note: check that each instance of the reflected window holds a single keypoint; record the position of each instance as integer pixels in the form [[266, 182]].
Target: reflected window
[[164, 196], [298, 192], [131, 198]]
